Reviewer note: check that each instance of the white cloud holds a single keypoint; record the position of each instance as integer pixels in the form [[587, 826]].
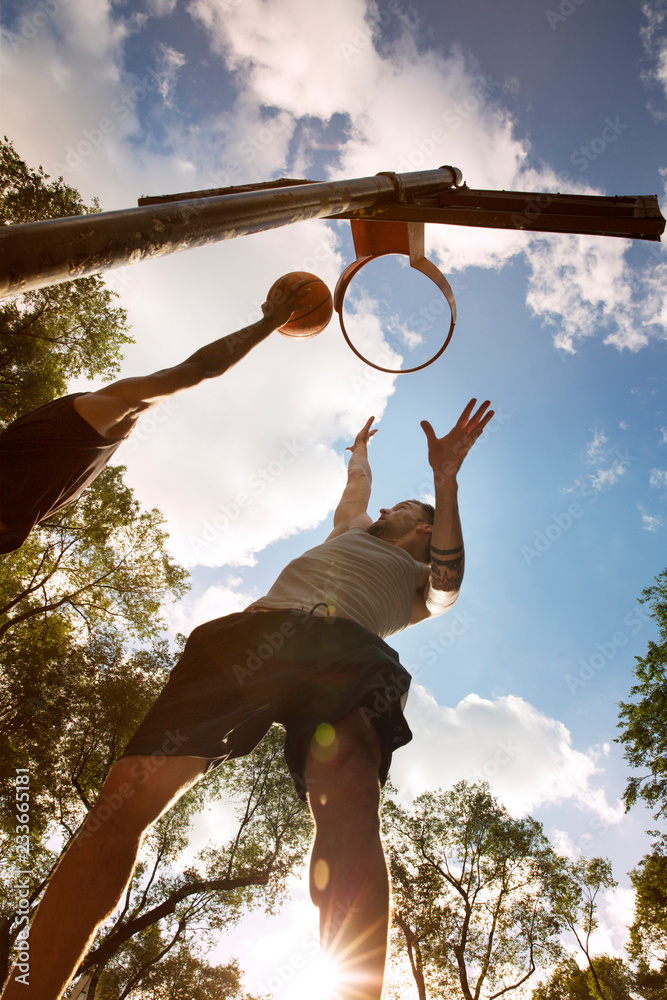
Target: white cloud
[[526, 757], [658, 478], [256, 455], [615, 914], [649, 521], [594, 448], [162, 7], [215, 602], [404, 107], [604, 479], [654, 37], [564, 845], [170, 61]]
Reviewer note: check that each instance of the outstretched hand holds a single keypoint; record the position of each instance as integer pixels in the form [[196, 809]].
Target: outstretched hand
[[283, 302], [446, 454], [364, 436]]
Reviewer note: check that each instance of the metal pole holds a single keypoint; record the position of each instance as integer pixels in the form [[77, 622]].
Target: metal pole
[[35, 254]]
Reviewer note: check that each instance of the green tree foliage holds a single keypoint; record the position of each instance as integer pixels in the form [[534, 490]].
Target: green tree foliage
[[169, 905], [101, 560], [79, 703], [471, 893], [644, 719], [67, 710], [569, 982], [176, 975], [54, 334], [648, 932], [574, 890], [643, 724]]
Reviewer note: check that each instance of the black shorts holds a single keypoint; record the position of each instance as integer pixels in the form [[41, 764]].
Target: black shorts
[[47, 458], [241, 673]]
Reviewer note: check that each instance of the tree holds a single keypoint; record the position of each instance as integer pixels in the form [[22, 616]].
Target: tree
[[644, 720], [179, 975], [54, 334], [648, 932], [78, 713], [470, 893], [165, 908], [643, 724], [569, 982], [100, 560], [574, 890], [67, 708]]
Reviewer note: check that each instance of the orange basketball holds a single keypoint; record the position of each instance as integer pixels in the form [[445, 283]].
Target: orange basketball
[[315, 308]]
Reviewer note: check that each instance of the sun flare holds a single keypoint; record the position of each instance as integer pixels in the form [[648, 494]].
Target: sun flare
[[320, 981]]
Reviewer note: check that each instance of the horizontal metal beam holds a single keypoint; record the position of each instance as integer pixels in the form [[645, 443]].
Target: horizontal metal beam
[[36, 254], [592, 215]]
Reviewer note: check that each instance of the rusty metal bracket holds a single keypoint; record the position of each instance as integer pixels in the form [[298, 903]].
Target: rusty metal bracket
[[377, 239]]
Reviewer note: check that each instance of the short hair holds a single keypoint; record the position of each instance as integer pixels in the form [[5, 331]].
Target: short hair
[[428, 513], [428, 510]]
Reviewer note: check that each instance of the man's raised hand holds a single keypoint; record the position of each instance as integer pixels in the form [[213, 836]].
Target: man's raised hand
[[364, 436], [446, 454], [278, 309]]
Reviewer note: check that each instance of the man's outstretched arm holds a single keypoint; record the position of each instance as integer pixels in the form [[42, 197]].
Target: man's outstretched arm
[[445, 456], [352, 508], [114, 409]]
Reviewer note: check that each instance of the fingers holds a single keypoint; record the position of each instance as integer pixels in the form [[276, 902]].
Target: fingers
[[470, 422], [428, 431], [465, 416], [364, 435], [467, 421], [482, 416]]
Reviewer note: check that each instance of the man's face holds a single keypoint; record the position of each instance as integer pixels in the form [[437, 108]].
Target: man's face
[[396, 522]]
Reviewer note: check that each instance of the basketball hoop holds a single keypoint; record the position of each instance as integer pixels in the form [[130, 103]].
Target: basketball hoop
[[373, 239]]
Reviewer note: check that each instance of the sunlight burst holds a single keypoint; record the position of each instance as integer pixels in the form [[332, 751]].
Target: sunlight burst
[[320, 981]]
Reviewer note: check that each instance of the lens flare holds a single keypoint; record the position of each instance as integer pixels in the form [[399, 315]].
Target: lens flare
[[320, 981]]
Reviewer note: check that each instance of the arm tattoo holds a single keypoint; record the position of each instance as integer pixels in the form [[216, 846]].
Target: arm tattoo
[[447, 568]]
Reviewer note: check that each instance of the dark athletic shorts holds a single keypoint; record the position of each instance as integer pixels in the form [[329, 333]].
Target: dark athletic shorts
[[241, 673], [47, 458]]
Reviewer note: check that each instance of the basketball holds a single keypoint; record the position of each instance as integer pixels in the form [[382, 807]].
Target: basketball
[[315, 308]]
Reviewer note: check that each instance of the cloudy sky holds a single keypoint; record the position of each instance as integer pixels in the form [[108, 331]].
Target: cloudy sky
[[563, 500]]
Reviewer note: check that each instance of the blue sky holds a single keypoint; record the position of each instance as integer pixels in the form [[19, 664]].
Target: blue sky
[[563, 500]]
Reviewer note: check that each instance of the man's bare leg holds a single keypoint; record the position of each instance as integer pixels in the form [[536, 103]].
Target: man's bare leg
[[95, 870], [349, 882], [114, 410]]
